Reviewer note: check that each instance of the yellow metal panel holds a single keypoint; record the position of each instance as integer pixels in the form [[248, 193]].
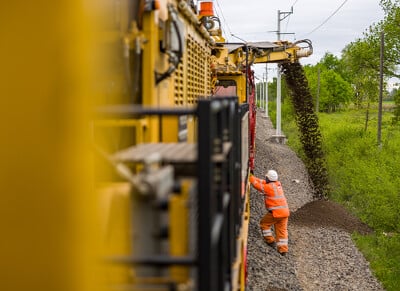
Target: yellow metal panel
[[150, 54], [289, 54], [140, 126], [170, 128], [116, 225], [121, 122], [191, 129], [179, 232], [50, 237]]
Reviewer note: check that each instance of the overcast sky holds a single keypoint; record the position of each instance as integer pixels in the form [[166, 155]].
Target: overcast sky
[[254, 20]]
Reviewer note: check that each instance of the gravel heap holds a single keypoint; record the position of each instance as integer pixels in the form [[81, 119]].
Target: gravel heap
[[321, 255]]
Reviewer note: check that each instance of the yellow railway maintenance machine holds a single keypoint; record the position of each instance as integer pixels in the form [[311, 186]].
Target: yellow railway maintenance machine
[[173, 135]]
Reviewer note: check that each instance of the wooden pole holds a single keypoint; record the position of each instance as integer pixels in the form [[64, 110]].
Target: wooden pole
[[318, 88], [380, 90]]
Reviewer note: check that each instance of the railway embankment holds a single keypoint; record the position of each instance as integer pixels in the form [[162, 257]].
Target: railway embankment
[[322, 255]]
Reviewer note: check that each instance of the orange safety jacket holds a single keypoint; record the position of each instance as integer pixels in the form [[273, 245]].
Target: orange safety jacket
[[275, 200]]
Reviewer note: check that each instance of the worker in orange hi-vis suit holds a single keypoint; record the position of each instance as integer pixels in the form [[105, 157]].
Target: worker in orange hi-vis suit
[[278, 210]]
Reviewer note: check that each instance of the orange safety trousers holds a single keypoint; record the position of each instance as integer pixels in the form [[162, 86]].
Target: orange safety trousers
[[281, 232]]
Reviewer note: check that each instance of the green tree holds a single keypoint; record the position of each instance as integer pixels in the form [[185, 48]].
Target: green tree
[[390, 25], [334, 91], [331, 62], [337, 92], [361, 59], [311, 73], [361, 69]]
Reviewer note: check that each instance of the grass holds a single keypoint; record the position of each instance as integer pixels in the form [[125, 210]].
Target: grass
[[364, 177], [383, 253]]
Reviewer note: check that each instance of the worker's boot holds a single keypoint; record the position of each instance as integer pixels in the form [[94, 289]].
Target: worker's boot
[[272, 245], [268, 237], [282, 249], [270, 240]]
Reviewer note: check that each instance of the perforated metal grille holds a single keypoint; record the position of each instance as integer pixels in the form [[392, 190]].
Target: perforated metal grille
[[179, 85], [192, 78]]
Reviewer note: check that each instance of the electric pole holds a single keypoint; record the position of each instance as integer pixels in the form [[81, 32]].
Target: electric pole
[[257, 88], [266, 90], [257, 94], [281, 16], [262, 90]]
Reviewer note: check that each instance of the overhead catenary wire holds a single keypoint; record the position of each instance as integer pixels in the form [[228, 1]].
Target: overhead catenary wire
[[287, 23], [326, 20], [222, 25], [225, 22], [223, 17]]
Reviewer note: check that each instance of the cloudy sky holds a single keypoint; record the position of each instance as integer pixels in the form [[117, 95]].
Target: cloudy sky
[[329, 24]]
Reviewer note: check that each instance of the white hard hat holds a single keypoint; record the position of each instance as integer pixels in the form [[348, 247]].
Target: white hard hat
[[272, 175]]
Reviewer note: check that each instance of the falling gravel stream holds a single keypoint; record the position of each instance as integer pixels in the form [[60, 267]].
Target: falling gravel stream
[[321, 255], [307, 122]]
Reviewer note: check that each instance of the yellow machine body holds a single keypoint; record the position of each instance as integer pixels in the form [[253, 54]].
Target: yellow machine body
[[167, 55], [108, 89]]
